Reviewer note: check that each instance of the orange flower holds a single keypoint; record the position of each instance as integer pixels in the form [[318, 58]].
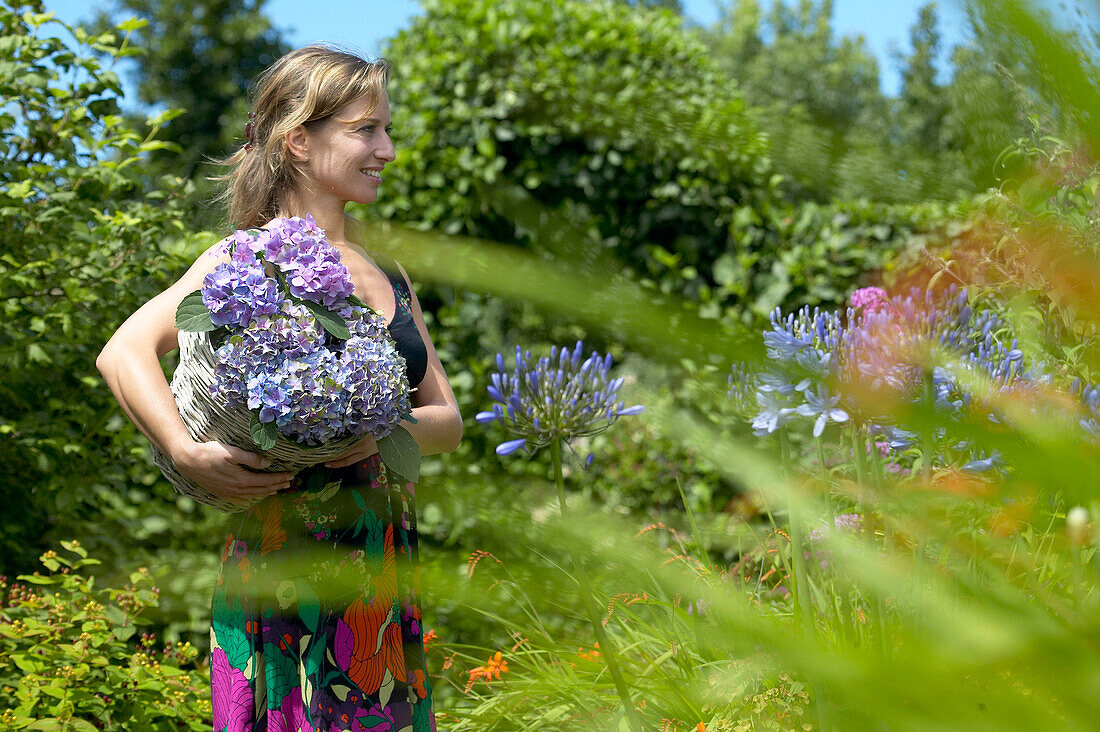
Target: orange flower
[[274, 535], [492, 669], [589, 655], [429, 638], [477, 556], [700, 727]]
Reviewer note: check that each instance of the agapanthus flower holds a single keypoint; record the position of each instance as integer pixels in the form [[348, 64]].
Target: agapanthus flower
[[559, 397], [980, 465], [822, 406], [864, 363], [776, 409]]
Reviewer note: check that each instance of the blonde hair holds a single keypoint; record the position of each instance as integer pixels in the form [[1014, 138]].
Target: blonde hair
[[303, 87]]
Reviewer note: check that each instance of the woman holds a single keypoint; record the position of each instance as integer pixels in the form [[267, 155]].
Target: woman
[[315, 621]]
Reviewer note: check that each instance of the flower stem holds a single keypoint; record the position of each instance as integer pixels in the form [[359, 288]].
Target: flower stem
[[928, 438], [800, 591], [606, 650]]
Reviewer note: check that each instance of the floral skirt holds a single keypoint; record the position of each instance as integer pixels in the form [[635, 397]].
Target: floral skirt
[[316, 619]]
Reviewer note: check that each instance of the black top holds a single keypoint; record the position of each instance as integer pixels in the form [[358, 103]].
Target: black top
[[403, 328]]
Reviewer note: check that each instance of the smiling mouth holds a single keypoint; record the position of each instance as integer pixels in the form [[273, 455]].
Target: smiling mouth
[[372, 174]]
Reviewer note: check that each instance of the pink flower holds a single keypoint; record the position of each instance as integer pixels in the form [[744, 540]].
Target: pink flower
[[868, 297], [291, 715], [342, 645]]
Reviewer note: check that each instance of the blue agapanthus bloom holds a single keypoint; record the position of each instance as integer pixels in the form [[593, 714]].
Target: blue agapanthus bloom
[[822, 406], [776, 409], [557, 397], [860, 364]]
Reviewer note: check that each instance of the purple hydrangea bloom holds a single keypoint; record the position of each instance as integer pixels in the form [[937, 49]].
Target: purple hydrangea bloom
[[277, 360], [375, 362], [237, 290], [311, 265]]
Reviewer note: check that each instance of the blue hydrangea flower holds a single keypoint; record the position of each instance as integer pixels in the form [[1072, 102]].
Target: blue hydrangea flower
[[279, 362], [559, 397], [239, 289]]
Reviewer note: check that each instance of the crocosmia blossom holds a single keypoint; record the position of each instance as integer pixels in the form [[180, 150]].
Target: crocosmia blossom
[[559, 397]]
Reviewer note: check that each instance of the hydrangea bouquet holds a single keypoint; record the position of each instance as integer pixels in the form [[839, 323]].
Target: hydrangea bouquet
[[295, 348]]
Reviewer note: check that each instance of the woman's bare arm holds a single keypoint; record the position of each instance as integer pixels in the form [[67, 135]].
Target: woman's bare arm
[[130, 365]]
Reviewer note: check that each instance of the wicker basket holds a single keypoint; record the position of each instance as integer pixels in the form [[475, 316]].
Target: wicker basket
[[207, 418]]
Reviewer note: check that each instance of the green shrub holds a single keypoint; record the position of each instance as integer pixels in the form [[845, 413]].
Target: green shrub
[[70, 657]]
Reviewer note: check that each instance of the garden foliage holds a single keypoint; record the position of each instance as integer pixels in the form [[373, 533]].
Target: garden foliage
[[86, 241], [601, 138], [71, 657], [619, 123]]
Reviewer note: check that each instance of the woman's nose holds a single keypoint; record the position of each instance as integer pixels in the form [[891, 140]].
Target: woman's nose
[[386, 151]]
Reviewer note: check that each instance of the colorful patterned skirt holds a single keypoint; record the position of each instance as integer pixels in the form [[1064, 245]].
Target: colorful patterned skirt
[[316, 618]]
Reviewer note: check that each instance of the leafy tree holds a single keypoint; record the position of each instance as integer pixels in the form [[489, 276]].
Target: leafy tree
[[81, 250], [673, 5], [923, 103], [817, 94], [608, 113], [991, 99], [200, 56]]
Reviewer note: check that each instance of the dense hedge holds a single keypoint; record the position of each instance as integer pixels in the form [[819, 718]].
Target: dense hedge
[[615, 119]]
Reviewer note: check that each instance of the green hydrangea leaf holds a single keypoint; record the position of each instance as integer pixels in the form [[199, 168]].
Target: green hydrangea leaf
[[329, 320], [400, 453], [263, 433], [192, 314]]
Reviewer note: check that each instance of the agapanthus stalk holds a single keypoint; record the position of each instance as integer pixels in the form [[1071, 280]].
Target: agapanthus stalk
[[800, 591], [607, 650], [548, 402]]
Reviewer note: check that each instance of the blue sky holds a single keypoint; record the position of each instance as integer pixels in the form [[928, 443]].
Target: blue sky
[[883, 23]]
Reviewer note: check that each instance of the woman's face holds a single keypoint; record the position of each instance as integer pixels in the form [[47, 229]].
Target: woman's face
[[348, 151]]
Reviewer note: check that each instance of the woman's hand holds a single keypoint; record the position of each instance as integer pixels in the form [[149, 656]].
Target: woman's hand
[[357, 454], [223, 470]]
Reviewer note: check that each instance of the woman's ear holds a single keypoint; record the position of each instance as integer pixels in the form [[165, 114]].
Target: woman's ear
[[297, 143]]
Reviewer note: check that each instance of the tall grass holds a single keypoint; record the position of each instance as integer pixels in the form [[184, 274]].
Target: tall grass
[[960, 602]]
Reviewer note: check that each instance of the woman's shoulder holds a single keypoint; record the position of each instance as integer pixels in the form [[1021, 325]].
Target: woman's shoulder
[[209, 259]]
